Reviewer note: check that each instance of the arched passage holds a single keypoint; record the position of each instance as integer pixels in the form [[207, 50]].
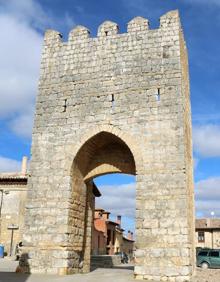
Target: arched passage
[[101, 154], [104, 153]]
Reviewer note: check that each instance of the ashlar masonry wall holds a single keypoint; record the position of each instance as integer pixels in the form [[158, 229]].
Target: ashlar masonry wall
[[126, 93]]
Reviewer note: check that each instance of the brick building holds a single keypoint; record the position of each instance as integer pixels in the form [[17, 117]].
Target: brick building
[[108, 237]]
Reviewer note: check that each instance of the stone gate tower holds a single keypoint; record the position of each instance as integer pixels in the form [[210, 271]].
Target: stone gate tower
[[115, 103]]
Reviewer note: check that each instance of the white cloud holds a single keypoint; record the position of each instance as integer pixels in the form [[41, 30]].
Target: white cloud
[[21, 42], [34, 15], [9, 165], [118, 199], [206, 139], [23, 124], [207, 196], [20, 60], [27, 11]]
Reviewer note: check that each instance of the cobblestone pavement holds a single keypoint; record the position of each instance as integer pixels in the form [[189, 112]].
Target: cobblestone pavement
[[120, 274]]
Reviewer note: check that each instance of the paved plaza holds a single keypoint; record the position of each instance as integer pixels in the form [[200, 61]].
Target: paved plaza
[[122, 273]]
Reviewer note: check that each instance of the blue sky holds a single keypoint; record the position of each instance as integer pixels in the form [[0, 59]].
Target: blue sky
[[23, 23]]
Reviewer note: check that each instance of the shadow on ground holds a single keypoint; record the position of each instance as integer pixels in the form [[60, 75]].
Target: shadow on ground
[[121, 266], [11, 271], [13, 277], [109, 262], [128, 267], [119, 273]]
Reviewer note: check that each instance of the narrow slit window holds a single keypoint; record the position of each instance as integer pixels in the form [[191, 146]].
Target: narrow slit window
[[158, 95], [106, 33], [113, 101], [64, 106]]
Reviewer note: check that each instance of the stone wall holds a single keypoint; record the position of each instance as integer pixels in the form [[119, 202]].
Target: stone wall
[[12, 212], [124, 93]]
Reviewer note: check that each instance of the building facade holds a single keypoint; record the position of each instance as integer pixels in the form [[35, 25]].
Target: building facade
[[13, 195], [208, 233], [108, 237]]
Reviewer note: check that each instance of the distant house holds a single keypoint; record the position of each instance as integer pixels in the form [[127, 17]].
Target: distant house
[[13, 193], [128, 244], [108, 237], [208, 233]]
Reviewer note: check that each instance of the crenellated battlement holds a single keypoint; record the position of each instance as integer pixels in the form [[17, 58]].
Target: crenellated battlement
[[138, 24], [111, 29], [108, 28], [79, 32]]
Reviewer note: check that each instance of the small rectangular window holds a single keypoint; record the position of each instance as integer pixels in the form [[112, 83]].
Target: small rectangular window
[[201, 236]]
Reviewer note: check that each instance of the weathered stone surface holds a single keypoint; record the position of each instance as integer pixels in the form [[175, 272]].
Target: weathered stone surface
[[115, 103], [13, 191]]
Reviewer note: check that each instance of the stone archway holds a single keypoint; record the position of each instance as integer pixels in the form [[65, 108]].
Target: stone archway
[[101, 154], [130, 141], [104, 153]]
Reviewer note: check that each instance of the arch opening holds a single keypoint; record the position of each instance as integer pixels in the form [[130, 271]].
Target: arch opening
[[114, 221], [104, 153]]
